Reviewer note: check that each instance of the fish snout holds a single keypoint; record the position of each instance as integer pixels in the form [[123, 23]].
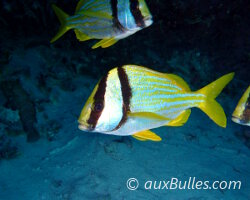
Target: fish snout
[[148, 20], [85, 127]]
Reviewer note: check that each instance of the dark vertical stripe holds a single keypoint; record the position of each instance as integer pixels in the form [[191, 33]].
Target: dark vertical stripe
[[245, 117], [98, 99], [135, 10], [114, 4], [126, 95], [116, 22]]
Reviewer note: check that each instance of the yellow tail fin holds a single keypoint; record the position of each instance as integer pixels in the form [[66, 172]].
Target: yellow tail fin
[[211, 107], [62, 16]]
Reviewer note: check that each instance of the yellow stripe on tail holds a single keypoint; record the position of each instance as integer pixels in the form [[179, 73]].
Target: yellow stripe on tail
[[211, 107], [62, 16]]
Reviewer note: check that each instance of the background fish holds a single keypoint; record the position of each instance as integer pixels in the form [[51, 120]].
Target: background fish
[[241, 114], [131, 99], [108, 20]]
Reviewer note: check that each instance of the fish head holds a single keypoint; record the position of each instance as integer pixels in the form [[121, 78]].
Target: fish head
[[147, 17], [103, 110], [83, 120]]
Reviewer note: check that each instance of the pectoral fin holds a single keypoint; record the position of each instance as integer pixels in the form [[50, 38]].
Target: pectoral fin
[[102, 15], [146, 135], [181, 119], [81, 36], [148, 115], [105, 43]]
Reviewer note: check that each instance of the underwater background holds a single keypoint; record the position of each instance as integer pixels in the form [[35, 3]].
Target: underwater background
[[43, 87]]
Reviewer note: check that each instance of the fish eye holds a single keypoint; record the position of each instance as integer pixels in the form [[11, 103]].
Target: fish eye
[[98, 107]]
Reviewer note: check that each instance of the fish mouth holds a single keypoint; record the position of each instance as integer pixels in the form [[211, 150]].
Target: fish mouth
[[85, 127], [235, 119], [148, 20]]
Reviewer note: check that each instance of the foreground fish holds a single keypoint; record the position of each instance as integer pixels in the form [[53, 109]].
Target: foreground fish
[[108, 20], [241, 114], [131, 99]]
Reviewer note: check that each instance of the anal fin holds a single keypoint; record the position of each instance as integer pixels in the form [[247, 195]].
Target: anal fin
[[104, 43], [181, 119], [147, 135]]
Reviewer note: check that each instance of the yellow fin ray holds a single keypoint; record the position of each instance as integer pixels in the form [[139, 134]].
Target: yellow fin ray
[[215, 112], [81, 36], [181, 119], [62, 16], [147, 135], [105, 43], [212, 108], [102, 15], [138, 138], [179, 81], [148, 115]]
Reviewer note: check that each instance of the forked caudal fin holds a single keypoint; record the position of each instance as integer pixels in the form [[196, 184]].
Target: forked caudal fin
[[210, 106], [62, 16]]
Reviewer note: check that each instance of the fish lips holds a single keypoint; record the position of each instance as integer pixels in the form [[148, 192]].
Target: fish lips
[[148, 21], [85, 127]]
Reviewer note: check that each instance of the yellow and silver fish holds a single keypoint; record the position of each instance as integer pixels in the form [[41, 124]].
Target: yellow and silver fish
[[131, 99], [108, 20], [241, 114]]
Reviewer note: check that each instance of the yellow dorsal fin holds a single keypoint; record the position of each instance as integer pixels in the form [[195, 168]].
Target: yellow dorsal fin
[[81, 36], [181, 119], [179, 81], [105, 43], [146, 135], [148, 115], [80, 4]]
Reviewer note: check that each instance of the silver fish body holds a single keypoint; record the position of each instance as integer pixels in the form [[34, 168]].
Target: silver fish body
[[132, 99], [105, 19]]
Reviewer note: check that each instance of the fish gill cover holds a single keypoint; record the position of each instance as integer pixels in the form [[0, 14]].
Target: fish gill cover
[[43, 87]]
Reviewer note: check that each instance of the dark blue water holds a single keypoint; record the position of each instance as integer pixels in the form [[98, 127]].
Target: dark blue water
[[44, 86]]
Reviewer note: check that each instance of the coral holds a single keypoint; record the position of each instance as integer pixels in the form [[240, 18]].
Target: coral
[[7, 149], [18, 99]]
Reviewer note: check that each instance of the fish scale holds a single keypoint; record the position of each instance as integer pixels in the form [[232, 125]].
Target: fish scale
[[147, 99], [108, 20]]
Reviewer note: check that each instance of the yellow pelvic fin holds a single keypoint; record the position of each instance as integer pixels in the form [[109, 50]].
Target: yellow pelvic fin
[[211, 107], [181, 119], [62, 16], [138, 138], [147, 135], [81, 36], [148, 115], [179, 81], [105, 43]]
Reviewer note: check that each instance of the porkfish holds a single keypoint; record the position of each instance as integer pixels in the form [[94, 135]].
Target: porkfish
[[241, 114], [107, 20], [130, 100]]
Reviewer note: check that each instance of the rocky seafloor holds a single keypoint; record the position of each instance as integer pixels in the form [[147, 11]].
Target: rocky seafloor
[[43, 87]]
